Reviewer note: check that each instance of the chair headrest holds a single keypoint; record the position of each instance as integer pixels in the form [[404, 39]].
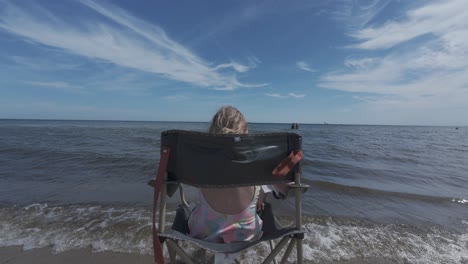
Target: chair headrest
[[226, 160]]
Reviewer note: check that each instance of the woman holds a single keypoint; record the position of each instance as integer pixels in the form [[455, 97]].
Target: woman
[[227, 215]]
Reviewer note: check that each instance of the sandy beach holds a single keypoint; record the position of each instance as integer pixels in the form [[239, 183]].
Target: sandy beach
[[16, 255]]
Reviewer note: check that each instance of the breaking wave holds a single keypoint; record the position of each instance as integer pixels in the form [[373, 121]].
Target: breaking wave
[[128, 229]]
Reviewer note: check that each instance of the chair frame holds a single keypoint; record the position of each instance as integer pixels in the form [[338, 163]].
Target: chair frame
[[159, 211]]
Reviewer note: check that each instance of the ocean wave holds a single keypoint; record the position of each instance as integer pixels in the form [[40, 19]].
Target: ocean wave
[[53, 163], [120, 229], [358, 191], [128, 229], [400, 243], [462, 201]]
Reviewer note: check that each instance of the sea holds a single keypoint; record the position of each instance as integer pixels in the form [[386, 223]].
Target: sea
[[397, 193]]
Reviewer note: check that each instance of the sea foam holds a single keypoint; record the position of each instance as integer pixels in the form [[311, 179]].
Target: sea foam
[[128, 229]]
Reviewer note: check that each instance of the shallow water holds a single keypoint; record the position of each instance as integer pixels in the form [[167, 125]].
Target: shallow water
[[391, 192]]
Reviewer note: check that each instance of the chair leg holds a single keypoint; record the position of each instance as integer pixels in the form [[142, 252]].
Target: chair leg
[[297, 181], [179, 251], [276, 250], [172, 253], [299, 251], [289, 249], [272, 246], [162, 208]]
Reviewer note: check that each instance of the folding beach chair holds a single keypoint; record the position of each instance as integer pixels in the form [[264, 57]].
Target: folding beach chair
[[206, 160]]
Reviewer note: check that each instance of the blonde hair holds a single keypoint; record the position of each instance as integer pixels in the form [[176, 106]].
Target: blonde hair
[[228, 120]]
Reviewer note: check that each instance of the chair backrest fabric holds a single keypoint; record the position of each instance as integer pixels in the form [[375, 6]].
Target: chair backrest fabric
[[227, 160]]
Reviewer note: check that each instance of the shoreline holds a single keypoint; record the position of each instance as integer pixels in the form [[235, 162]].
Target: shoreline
[[17, 255]]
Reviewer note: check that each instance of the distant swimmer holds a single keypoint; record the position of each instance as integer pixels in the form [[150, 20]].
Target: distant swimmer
[[294, 126], [456, 128]]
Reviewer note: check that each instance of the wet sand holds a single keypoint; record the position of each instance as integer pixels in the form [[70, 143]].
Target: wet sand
[[16, 255]]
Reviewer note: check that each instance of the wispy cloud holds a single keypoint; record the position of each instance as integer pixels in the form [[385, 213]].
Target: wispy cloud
[[128, 42], [295, 95], [357, 14], [56, 85], [439, 19], [289, 95], [251, 12], [277, 95], [235, 66], [429, 73], [361, 63], [304, 66], [42, 64]]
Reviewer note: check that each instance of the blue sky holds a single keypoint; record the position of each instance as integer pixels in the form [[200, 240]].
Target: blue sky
[[352, 62]]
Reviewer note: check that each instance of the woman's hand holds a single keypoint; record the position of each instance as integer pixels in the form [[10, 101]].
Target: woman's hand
[[260, 205]]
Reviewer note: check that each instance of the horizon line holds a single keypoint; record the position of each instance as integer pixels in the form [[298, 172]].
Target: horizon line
[[179, 121]]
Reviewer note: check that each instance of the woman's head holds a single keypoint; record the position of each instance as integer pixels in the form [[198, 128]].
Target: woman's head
[[228, 120]]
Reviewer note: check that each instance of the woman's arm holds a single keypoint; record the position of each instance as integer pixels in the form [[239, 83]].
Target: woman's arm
[[261, 199]]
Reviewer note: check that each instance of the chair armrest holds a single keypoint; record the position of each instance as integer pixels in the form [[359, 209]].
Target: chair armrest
[[171, 186], [282, 191]]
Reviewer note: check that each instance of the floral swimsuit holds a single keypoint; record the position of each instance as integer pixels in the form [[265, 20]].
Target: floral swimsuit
[[207, 224]]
